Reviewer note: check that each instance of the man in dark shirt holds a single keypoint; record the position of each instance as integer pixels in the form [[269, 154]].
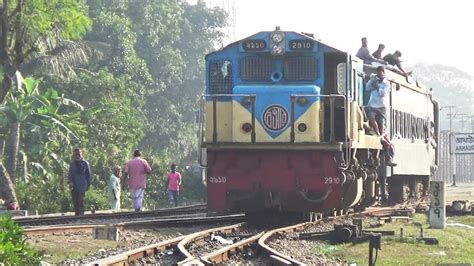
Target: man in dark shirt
[[378, 53], [394, 60], [365, 55], [79, 180]]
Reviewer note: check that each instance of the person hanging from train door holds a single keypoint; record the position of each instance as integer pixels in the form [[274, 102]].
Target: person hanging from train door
[[379, 88]]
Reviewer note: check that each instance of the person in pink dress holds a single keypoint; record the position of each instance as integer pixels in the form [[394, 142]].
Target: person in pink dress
[[174, 181], [137, 170]]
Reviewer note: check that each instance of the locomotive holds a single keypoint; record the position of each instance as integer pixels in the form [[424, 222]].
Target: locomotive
[[282, 127]]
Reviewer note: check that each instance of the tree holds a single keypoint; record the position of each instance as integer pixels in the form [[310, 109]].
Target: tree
[[23, 23], [173, 38], [29, 107]]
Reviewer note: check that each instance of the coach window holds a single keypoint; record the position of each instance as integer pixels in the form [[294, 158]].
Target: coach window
[[220, 79]]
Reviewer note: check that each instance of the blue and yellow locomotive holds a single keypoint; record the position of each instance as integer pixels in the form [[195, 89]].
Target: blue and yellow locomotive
[[282, 128]]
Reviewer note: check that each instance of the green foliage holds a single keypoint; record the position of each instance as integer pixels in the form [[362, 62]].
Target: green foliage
[[141, 93], [30, 23], [115, 122], [182, 34], [455, 246], [96, 199], [48, 121], [42, 16], [192, 189], [46, 195], [14, 250]]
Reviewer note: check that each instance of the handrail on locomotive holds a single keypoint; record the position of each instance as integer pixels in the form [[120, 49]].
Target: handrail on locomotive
[[344, 165]]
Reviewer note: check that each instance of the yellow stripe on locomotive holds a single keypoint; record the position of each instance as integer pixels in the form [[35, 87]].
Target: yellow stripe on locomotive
[[232, 117]]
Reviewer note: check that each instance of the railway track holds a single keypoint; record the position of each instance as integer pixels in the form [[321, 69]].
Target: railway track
[[186, 250], [156, 223], [99, 218]]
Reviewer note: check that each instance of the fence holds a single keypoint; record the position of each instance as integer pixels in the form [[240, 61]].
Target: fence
[[464, 163]]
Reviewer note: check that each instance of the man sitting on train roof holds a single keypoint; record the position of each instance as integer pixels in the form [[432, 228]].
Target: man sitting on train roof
[[379, 88], [365, 55], [378, 53], [394, 60]]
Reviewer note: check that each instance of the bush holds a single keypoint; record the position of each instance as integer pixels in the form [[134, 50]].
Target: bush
[[96, 199], [14, 250], [46, 195]]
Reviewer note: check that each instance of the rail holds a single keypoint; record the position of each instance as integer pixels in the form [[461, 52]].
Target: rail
[[97, 217], [223, 254], [198, 236], [131, 225]]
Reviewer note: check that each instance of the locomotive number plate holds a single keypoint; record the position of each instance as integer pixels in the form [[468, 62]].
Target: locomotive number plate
[[254, 45], [332, 180], [304, 45], [275, 117]]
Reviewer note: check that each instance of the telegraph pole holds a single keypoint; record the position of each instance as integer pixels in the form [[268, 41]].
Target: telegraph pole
[[463, 120], [451, 115], [472, 122]]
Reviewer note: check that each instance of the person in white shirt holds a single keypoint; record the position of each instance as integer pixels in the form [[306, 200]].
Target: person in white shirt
[[379, 88]]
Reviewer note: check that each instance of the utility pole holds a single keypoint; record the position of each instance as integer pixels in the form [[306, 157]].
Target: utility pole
[[451, 115], [472, 123], [463, 120]]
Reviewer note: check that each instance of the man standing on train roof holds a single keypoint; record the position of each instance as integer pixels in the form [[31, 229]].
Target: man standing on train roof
[[379, 88], [136, 170], [394, 60], [378, 53], [365, 55]]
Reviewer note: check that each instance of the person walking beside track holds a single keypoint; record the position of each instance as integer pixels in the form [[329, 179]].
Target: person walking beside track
[[113, 186], [79, 179], [136, 170], [174, 181]]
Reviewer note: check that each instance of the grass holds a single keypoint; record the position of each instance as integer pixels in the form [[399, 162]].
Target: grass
[[467, 220], [59, 247], [456, 245]]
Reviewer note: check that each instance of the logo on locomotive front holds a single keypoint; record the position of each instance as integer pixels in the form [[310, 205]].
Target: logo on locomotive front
[[275, 117]]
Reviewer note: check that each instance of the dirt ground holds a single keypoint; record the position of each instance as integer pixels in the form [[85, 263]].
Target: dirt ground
[[462, 191]]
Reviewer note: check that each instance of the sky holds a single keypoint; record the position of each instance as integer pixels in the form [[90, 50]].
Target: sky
[[433, 32]]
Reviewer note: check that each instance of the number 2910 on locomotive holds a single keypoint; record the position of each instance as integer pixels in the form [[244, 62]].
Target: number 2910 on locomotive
[[283, 127]]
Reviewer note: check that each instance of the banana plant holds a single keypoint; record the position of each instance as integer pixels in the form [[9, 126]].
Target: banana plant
[[48, 114]]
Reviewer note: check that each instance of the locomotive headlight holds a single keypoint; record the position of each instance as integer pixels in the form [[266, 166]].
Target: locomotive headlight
[[277, 37], [277, 49]]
